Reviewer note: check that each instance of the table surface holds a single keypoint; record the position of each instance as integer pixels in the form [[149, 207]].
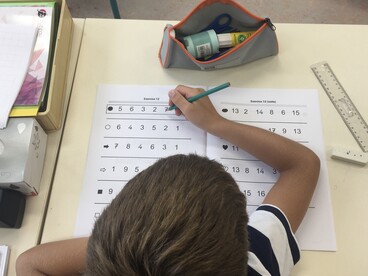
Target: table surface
[[126, 52], [29, 234]]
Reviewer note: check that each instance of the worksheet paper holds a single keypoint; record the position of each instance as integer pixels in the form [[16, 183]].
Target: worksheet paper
[[16, 48], [132, 129]]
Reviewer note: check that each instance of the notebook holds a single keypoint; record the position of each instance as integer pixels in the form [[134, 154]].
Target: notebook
[[39, 15], [16, 49]]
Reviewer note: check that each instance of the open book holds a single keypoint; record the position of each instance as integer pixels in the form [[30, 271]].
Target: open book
[[132, 129]]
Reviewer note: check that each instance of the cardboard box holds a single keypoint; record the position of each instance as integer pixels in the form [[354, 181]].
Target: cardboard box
[[22, 153], [51, 118]]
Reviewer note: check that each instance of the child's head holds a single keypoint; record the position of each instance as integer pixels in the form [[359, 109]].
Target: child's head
[[184, 215]]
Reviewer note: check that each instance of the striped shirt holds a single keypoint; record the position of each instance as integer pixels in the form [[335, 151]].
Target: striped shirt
[[273, 249]]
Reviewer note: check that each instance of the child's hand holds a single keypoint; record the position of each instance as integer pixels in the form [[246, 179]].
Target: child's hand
[[201, 112]]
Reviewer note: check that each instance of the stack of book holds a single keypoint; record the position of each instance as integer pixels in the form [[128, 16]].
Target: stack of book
[[41, 15]]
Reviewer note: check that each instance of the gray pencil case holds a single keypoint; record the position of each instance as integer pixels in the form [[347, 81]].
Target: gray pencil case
[[209, 15]]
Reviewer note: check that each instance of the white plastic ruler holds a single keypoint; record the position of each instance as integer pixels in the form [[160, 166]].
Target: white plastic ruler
[[343, 104]]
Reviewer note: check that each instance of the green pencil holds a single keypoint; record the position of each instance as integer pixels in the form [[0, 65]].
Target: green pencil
[[204, 94]]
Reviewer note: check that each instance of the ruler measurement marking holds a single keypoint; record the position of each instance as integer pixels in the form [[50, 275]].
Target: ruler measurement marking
[[342, 102]]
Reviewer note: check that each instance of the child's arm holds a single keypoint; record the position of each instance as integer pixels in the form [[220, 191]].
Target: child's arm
[[298, 166], [54, 258]]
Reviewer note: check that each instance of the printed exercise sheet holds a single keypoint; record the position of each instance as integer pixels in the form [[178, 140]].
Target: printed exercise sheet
[[132, 128]]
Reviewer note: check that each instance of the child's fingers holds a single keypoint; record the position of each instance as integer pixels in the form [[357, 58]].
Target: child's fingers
[[179, 100], [188, 91], [171, 103], [179, 97]]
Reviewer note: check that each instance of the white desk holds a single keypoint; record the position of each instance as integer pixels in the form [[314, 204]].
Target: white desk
[[125, 52], [29, 234]]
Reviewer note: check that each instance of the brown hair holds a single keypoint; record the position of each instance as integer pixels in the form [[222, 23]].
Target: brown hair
[[184, 215]]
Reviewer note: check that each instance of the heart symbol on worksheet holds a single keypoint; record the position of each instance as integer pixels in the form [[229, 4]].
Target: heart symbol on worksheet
[[21, 127], [225, 147]]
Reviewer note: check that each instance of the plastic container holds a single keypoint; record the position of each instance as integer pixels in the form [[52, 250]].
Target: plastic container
[[202, 44]]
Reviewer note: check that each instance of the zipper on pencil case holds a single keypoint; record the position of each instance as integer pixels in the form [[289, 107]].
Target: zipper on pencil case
[[270, 24]]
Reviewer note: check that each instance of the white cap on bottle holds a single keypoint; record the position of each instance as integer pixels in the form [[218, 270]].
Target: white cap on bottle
[[225, 40]]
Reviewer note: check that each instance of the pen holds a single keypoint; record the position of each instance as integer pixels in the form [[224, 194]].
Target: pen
[[204, 94]]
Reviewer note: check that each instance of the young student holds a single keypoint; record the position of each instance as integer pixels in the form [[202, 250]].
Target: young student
[[185, 215]]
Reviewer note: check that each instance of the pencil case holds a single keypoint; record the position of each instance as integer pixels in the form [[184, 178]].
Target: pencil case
[[222, 16]]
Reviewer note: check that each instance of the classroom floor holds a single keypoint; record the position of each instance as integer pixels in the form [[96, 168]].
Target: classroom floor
[[296, 11]]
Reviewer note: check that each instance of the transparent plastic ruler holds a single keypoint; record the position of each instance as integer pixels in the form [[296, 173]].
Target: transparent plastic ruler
[[344, 105]]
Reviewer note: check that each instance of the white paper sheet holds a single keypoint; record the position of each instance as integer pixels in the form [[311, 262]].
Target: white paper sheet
[[16, 48], [131, 129], [294, 114]]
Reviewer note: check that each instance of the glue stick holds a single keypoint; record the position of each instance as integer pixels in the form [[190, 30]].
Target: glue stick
[[207, 43], [232, 39]]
